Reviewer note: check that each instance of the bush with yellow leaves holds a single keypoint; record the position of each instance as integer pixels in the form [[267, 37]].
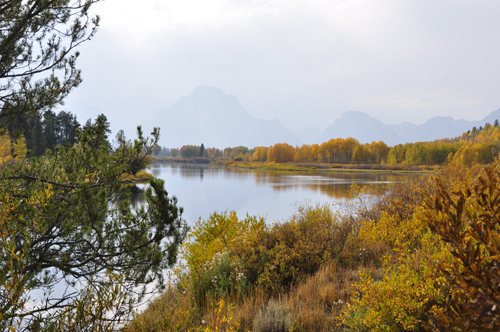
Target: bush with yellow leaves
[[413, 291], [409, 293], [468, 219], [284, 253], [209, 268]]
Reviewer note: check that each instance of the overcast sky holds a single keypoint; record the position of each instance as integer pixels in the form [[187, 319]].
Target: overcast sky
[[301, 61]]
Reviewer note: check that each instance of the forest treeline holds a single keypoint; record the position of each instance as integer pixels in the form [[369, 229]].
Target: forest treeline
[[34, 136], [477, 146]]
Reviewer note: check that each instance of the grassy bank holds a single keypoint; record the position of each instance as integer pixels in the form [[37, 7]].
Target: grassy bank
[[165, 159], [307, 167], [378, 265], [361, 168], [139, 177]]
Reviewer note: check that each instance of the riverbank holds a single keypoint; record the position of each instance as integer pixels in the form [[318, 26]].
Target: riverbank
[[346, 168], [174, 160], [304, 167], [139, 177]]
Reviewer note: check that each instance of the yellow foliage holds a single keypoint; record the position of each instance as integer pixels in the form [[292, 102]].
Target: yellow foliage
[[20, 149], [260, 153], [280, 153], [220, 232], [410, 292], [5, 146], [406, 233], [283, 254], [468, 219], [413, 289], [13, 285], [222, 319]]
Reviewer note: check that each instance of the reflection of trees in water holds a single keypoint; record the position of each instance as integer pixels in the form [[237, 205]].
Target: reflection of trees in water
[[196, 171], [137, 198], [338, 190], [333, 185], [206, 171]]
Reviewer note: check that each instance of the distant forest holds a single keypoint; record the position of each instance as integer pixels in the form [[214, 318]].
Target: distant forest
[[46, 133], [476, 146], [37, 135]]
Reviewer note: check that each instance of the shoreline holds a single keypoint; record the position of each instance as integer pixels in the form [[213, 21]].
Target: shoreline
[[303, 167]]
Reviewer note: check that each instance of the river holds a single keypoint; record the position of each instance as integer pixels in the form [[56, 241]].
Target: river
[[203, 189]]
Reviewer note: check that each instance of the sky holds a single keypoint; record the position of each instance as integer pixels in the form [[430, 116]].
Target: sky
[[304, 62]]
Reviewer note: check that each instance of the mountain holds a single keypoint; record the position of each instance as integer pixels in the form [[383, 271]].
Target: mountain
[[211, 117], [362, 127], [308, 135], [367, 129]]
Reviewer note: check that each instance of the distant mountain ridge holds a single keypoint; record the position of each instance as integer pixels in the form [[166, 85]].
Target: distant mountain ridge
[[367, 129], [211, 117]]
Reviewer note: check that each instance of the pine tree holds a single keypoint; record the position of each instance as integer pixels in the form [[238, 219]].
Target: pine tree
[[48, 130], [37, 139]]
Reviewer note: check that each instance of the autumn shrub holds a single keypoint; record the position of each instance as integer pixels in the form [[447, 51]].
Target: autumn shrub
[[274, 317], [221, 319], [282, 254], [208, 267], [397, 200], [221, 231], [413, 290], [391, 237], [218, 278], [409, 293], [468, 219]]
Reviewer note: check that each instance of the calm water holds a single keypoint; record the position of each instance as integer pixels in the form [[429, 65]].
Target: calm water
[[202, 189]]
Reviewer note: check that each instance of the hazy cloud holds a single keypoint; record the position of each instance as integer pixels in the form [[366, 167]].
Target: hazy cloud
[[302, 61]]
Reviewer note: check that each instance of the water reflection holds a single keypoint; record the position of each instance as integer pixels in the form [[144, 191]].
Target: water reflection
[[202, 189]]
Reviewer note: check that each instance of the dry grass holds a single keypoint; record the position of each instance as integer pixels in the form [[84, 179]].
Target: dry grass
[[317, 303], [139, 177], [313, 305]]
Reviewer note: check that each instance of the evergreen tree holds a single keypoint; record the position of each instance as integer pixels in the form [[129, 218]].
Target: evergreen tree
[[37, 53], [202, 149], [48, 130], [37, 139], [78, 224]]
